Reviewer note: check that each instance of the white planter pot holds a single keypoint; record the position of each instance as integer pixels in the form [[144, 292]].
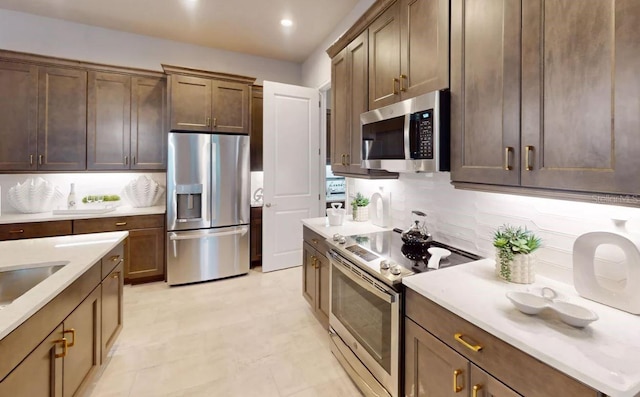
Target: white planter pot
[[520, 270], [361, 214]]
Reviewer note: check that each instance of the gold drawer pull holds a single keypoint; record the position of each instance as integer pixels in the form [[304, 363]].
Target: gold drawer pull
[[208, 121], [527, 149], [394, 86], [114, 258], [507, 159], [215, 122], [115, 275], [64, 347], [40, 159], [456, 388], [475, 390], [402, 78], [73, 335], [121, 223], [475, 348], [314, 240], [18, 231]]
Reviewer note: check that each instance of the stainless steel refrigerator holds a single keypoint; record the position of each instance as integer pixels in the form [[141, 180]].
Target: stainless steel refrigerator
[[208, 206]]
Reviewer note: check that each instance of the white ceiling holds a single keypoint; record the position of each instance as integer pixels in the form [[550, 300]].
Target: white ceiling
[[247, 26]]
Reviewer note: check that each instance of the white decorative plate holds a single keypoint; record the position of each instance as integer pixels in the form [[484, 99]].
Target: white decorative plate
[[34, 195], [142, 192]]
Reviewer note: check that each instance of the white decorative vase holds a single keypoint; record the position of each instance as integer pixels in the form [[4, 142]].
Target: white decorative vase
[[521, 269], [361, 214]]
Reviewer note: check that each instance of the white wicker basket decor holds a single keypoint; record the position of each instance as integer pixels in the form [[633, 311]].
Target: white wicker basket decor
[[521, 270], [361, 214]]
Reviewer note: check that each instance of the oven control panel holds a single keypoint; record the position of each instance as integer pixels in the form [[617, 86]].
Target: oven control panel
[[422, 126]]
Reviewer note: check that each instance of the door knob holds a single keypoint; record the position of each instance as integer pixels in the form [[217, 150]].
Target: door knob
[[268, 205]]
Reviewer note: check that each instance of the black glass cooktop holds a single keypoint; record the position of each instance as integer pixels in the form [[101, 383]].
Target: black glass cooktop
[[374, 247]]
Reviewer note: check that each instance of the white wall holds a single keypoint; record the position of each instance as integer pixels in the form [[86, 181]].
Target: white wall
[[467, 219], [316, 69], [53, 37]]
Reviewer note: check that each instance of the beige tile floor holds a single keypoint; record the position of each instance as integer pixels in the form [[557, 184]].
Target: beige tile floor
[[246, 336]]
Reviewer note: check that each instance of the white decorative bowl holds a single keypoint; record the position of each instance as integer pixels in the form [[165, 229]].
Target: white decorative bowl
[[34, 195], [142, 192]]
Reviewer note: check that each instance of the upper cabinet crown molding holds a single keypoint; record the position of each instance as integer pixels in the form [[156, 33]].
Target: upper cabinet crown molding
[[180, 70]]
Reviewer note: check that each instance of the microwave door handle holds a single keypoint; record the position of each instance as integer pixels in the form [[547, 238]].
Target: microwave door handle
[[407, 136], [370, 288]]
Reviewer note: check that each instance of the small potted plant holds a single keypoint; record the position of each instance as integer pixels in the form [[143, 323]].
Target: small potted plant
[[360, 207], [515, 261]]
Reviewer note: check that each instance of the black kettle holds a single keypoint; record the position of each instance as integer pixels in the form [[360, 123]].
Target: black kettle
[[417, 235]]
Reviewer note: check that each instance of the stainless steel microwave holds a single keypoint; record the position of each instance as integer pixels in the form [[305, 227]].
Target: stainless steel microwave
[[408, 136]]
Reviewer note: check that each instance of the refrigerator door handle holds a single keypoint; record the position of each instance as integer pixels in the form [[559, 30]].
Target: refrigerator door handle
[[207, 234]]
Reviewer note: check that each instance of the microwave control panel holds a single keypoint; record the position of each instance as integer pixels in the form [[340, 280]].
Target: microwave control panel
[[422, 138]]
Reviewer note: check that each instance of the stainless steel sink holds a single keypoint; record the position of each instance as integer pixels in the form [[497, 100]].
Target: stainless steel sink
[[14, 283]]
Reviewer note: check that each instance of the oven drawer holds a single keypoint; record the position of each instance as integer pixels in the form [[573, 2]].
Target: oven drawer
[[315, 240], [525, 374]]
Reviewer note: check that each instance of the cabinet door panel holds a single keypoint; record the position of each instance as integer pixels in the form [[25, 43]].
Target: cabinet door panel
[[322, 294], [256, 128], [424, 33], [485, 91], [578, 94], [145, 254], [340, 122], [230, 107], [62, 119], [40, 374], [190, 103], [488, 386], [308, 275], [357, 61], [430, 365], [109, 124], [148, 124], [83, 357], [384, 58], [112, 289], [18, 112]]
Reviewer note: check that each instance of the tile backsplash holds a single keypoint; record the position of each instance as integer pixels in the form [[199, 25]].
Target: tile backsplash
[[467, 219], [85, 184]]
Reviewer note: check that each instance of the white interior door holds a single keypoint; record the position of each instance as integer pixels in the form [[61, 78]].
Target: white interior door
[[291, 165]]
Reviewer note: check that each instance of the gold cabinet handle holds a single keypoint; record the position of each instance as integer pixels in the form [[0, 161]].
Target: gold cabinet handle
[[65, 346], [459, 337], [456, 387], [476, 388], [31, 159], [215, 122], [121, 223], [115, 275], [314, 240], [528, 149], [114, 258], [208, 121], [402, 78], [394, 86], [343, 156], [40, 159], [126, 160], [133, 160], [73, 336], [507, 158], [17, 231]]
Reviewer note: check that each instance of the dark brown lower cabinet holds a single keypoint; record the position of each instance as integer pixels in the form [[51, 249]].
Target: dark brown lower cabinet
[[112, 291], [40, 374], [17, 231], [315, 275], [256, 236]]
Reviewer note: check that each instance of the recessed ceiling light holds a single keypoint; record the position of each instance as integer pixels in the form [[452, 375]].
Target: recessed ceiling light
[[286, 22]]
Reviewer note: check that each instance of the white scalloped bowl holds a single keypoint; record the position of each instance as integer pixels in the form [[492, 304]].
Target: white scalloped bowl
[[142, 192], [34, 195]]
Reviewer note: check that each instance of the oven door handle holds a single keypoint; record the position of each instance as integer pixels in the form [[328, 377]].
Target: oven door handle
[[385, 296]]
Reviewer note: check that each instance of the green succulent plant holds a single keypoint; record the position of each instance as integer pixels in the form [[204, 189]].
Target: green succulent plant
[[511, 241], [359, 201]]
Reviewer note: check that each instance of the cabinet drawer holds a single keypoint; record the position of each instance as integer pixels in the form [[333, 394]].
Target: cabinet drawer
[[112, 259], [17, 231], [97, 225], [315, 240], [529, 376]]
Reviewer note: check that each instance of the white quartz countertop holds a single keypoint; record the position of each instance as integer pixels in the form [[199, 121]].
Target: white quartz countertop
[[604, 355], [348, 227], [81, 251], [48, 216]]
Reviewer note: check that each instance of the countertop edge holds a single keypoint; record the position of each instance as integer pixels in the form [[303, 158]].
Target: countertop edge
[[10, 218]]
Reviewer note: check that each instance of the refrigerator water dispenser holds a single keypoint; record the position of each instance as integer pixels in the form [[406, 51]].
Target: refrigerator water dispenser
[[189, 199]]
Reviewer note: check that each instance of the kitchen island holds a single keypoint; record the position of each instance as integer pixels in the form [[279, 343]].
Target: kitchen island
[[57, 333], [604, 355]]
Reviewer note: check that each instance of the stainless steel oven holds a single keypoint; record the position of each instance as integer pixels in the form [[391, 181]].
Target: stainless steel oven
[[364, 327]]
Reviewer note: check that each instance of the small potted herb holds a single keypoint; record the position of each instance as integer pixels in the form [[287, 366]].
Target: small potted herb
[[514, 248], [360, 207]]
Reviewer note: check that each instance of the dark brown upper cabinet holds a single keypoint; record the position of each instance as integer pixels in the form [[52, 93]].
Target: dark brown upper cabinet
[[256, 127], [207, 101], [126, 122], [408, 51], [571, 69], [19, 113]]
